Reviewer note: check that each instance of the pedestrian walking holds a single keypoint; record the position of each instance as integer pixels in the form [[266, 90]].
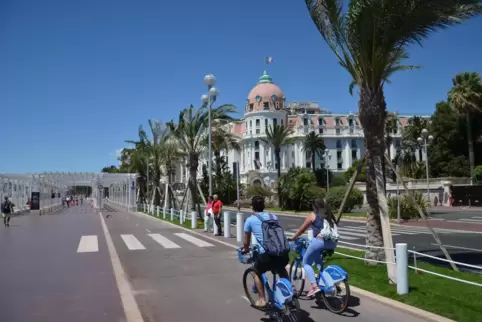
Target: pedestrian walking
[[209, 214], [7, 210], [217, 209]]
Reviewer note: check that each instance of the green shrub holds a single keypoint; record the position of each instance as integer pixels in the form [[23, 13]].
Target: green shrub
[[407, 209], [257, 190], [335, 195], [298, 189]]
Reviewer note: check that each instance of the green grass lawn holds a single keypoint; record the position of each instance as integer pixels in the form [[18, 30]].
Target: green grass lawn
[[452, 299]]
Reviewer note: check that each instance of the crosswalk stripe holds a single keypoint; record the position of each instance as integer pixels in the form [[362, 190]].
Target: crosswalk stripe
[[132, 242], [194, 240], [88, 244], [470, 220], [163, 241]]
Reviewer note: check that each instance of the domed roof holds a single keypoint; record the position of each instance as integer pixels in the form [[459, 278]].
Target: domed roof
[[265, 90]]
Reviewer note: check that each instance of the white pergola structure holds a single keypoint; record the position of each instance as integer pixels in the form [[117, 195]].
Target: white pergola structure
[[19, 188]]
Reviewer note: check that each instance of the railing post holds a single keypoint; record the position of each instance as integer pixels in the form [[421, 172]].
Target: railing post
[[193, 219], [172, 214], [158, 210], [164, 213], [239, 227], [205, 220], [144, 207], [227, 224], [402, 268], [310, 234], [181, 218]]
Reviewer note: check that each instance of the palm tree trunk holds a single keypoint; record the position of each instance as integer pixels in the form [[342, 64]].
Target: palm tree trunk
[[372, 106], [193, 165], [277, 153], [471, 145], [313, 161]]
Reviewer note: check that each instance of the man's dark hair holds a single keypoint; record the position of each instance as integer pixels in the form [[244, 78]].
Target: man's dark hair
[[257, 203]]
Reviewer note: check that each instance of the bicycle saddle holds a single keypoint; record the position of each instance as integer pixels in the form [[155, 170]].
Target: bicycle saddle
[[328, 252]]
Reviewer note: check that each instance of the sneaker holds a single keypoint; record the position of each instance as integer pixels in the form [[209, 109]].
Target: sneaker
[[260, 303], [313, 291]]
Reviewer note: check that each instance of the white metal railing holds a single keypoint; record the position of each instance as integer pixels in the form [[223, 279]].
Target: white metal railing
[[402, 253]]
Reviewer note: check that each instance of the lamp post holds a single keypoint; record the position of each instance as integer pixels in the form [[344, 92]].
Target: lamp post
[[424, 140], [327, 167], [208, 100]]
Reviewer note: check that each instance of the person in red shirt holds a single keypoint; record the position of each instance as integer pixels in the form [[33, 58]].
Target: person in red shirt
[[217, 208]]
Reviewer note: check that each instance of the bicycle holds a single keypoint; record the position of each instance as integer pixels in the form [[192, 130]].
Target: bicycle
[[330, 279], [282, 304]]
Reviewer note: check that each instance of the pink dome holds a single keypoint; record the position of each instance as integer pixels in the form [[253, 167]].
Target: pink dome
[[265, 91]]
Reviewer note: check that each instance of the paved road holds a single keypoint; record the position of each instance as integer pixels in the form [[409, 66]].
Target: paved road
[[59, 268], [463, 246]]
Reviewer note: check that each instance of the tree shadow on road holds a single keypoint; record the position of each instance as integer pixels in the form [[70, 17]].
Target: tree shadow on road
[[303, 317], [353, 301]]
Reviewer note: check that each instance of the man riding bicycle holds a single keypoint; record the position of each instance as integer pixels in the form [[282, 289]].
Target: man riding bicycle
[[266, 260]]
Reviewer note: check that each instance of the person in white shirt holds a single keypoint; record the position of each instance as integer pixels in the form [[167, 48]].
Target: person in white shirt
[[325, 233]]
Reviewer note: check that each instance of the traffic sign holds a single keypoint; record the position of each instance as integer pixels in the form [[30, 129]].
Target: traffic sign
[[100, 187]]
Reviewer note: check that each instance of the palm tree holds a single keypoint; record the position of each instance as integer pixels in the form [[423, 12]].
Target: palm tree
[[465, 97], [412, 131], [190, 132], [314, 145], [171, 156], [221, 139], [278, 136], [369, 39], [152, 148]]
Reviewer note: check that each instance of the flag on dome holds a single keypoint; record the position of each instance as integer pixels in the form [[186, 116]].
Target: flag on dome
[[269, 60]]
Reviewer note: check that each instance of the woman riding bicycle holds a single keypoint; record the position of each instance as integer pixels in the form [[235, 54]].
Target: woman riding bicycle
[[325, 234]]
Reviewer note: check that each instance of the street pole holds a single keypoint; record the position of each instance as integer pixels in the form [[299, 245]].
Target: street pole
[[147, 179], [398, 195], [424, 142], [237, 185], [209, 99]]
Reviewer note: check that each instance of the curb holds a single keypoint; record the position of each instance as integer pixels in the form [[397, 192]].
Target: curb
[[414, 311]]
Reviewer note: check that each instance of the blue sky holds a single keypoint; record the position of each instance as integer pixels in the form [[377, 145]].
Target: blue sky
[[77, 78]]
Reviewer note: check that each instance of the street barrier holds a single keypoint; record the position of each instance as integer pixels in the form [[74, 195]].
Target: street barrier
[[403, 255]]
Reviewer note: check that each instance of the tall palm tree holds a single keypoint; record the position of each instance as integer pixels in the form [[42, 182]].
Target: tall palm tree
[[221, 139], [278, 136], [314, 145], [369, 39], [412, 131], [465, 97], [171, 156], [190, 132], [152, 146]]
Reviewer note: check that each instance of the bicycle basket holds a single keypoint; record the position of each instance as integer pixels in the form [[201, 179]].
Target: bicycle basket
[[247, 258]]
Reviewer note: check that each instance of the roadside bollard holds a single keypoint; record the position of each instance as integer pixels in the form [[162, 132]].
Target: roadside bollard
[[193, 219], [172, 214], [401, 254], [181, 216], [205, 220], [158, 210], [227, 224], [164, 213], [310, 234], [144, 207], [239, 227]]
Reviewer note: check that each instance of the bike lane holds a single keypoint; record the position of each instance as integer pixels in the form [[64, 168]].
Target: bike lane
[[204, 283], [44, 278]]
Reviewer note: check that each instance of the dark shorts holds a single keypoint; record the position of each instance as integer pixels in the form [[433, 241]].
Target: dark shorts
[[265, 263]]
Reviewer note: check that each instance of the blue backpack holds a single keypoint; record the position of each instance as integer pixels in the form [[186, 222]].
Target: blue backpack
[[275, 242]]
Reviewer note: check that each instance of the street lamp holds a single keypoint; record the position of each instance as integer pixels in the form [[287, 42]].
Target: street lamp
[[208, 101], [327, 167], [424, 141]]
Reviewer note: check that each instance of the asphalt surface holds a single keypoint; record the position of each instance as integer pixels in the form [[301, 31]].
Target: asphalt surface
[[463, 246], [59, 268]]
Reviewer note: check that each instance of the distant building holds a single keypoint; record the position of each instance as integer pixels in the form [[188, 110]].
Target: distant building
[[266, 105]]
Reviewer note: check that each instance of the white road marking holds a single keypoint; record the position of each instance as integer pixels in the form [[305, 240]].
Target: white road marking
[[245, 298], [194, 240], [476, 217], [148, 231], [132, 242], [131, 309], [460, 247], [470, 220], [88, 244], [163, 241]]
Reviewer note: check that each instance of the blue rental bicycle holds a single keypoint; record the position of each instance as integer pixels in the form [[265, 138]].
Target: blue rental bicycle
[[282, 304], [332, 280]]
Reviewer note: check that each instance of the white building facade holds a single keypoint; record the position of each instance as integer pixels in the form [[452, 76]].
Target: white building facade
[[266, 105]]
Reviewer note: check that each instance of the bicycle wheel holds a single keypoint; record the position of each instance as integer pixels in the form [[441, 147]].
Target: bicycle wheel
[[293, 310], [297, 276], [249, 288], [328, 299]]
